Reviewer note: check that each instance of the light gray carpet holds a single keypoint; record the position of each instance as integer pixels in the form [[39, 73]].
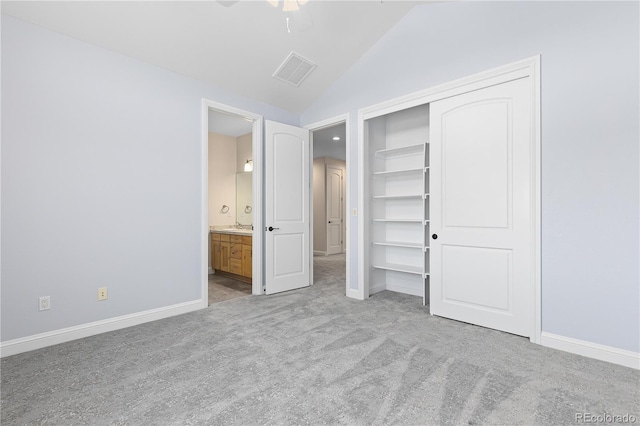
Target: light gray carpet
[[310, 356]]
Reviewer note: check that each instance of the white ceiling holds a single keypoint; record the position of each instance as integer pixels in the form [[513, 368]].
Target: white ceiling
[[237, 47], [325, 146]]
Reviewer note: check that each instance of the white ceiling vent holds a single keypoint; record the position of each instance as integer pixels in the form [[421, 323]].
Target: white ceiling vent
[[294, 69]]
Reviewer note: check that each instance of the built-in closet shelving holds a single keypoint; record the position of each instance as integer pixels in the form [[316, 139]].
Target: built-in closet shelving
[[397, 201]]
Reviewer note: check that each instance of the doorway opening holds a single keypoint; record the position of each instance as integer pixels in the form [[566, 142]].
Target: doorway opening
[[231, 206], [329, 198]]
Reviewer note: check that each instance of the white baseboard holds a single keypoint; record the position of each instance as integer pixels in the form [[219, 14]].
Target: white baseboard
[[591, 350], [37, 341], [405, 289], [211, 271], [377, 288], [354, 294], [319, 253]]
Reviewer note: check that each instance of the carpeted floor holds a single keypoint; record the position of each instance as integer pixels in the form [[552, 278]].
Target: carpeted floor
[[310, 356]]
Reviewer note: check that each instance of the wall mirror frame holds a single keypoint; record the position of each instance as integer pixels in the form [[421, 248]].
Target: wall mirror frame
[[244, 198]]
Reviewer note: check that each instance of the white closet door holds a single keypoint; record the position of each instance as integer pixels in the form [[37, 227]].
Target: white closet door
[[481, 259], [287, 215]]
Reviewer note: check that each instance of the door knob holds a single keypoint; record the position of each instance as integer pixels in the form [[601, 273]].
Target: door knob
[[329, 221], [434, 236], [271, 228]]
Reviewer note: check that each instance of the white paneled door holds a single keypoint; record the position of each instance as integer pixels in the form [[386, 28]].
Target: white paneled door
[[481, 239], [334, 209], [287, 215]]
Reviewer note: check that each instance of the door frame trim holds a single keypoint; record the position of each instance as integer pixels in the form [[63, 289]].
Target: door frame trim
[[257, 237], [318, 125], [529, 67]]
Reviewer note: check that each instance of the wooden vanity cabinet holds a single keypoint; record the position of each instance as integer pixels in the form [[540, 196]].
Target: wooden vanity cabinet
[[235, 255], [246, 256], [215, 251], [231, 254], [225, 249]]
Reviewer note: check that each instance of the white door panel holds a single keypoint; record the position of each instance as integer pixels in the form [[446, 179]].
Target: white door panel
[[481, 201], [334, 209], [461, 267], [287, 216], [480, 184], [288, 255]]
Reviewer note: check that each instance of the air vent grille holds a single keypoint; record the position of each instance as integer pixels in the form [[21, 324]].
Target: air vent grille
[[294, 69]]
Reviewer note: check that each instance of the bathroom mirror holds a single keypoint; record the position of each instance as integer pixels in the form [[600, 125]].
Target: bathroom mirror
[[244, 198]]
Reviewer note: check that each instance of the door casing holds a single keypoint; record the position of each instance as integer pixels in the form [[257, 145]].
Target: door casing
[[529, 67]]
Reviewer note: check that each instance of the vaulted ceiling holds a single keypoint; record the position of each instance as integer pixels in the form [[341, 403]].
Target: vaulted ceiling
[[236, 47]]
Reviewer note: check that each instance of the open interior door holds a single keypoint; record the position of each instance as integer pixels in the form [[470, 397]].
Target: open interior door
[[287, 216]]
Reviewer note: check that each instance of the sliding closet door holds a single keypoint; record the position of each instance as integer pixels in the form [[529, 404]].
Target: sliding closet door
[[481, 257]]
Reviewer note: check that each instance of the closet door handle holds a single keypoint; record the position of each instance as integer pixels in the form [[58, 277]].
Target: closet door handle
[[329, 221], [271, 228], [434, 236]]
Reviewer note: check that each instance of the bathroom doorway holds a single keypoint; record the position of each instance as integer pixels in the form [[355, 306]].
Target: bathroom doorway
[[330, 204], [233, 250]]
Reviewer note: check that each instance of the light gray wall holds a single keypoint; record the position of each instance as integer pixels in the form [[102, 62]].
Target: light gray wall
[[244, 151], [100, 181], [590, 134], [319, 206]]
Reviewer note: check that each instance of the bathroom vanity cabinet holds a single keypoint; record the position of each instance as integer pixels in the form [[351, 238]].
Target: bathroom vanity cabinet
[[231, 255]]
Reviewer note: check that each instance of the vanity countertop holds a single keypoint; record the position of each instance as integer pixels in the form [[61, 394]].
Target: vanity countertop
[[235, 231]]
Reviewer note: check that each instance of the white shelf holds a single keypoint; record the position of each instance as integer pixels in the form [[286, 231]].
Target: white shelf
[[397, 197], [409, 269], [397, 182], [400, 152], [399, 244], [399, 220], [400, 172]]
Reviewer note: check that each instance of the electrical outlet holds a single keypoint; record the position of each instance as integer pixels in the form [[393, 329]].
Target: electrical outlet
[[102, 293], [45, 303]]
